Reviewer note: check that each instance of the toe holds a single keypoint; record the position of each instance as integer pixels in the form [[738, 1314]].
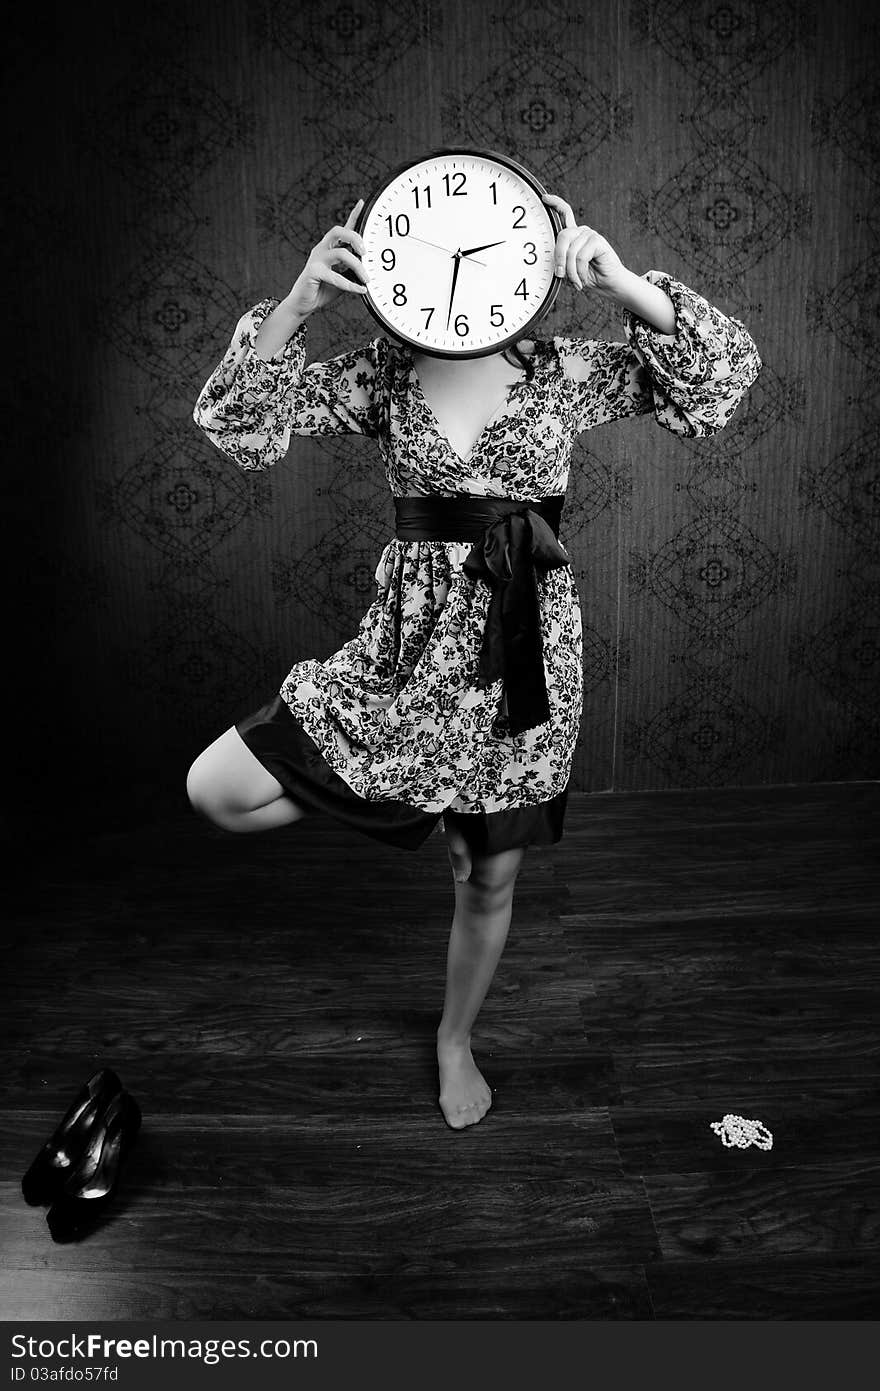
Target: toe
[[455, 1120]]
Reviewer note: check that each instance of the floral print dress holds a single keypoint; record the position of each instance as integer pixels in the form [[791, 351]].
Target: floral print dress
[[395, 723]]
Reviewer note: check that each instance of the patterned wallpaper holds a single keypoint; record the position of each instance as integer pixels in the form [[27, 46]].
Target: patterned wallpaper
[[183, 162]]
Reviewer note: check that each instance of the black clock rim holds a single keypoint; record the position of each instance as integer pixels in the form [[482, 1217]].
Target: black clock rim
[[555, 222]]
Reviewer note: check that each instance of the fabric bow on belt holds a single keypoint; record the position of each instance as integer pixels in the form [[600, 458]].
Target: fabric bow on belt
[[507, 557]]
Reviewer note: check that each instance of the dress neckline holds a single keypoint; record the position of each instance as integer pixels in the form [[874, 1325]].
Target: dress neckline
[[429, 412]]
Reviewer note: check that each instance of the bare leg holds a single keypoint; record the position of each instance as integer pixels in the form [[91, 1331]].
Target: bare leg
[[483, 905], [229, 786]]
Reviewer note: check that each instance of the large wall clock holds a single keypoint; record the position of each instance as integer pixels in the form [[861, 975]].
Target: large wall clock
[[459, 251]]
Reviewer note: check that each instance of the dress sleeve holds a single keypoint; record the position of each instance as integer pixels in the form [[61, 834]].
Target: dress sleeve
[[697, 375], [602, 381], [692, 380], [250, 406]]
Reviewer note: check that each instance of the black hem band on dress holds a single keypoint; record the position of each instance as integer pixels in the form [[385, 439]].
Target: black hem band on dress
[[275, 736], [490, 832]]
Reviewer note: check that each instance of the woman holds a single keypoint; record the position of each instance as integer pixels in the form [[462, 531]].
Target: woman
[[460, 695]]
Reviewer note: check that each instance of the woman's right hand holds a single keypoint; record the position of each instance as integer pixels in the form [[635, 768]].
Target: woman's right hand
[[320, 280]]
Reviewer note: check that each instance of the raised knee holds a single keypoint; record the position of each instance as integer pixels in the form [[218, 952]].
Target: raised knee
[[204, 794], [197, 785]]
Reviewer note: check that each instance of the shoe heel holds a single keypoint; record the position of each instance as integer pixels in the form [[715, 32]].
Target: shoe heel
[[54, 1163]]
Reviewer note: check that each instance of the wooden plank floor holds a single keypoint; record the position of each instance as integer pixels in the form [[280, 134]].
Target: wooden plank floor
[[272, 1002]]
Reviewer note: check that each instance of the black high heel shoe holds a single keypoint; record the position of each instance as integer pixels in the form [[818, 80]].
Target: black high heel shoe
[[45, 1178], [92, 1184]]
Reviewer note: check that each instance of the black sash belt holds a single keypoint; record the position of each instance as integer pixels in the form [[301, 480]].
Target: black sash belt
[[512, 541]]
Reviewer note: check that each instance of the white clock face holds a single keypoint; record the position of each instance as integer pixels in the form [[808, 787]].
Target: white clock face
[[459, 254]]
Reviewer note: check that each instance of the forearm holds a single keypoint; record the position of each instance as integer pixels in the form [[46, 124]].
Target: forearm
[[276, 329], [648, 301]]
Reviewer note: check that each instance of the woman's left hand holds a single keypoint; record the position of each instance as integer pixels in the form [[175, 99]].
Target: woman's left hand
[[583, 256]]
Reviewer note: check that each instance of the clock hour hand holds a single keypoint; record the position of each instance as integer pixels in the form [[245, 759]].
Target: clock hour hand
[[455, 270], [472, 249]]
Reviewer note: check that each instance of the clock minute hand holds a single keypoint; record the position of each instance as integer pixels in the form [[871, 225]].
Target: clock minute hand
[[455, 269], [438, 247], [472, 249]]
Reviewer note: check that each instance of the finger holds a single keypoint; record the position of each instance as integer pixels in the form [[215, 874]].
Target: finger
[[563, 207], [585, 251], [578, 250], [330, 277], [563, 241], [338, 255], [352, 216], [344, 236]]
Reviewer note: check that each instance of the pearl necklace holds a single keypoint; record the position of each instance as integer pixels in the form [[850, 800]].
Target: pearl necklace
[[736, 1130]]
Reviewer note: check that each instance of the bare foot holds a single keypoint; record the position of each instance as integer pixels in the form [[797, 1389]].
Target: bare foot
[[465, 1095]]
